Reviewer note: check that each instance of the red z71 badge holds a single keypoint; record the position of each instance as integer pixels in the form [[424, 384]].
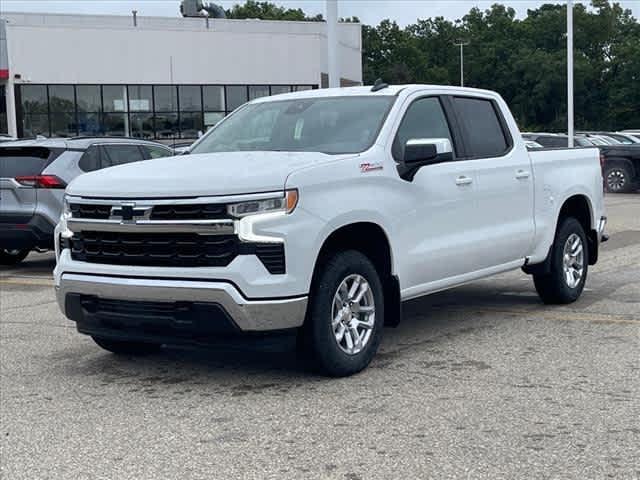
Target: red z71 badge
[[370, 167]]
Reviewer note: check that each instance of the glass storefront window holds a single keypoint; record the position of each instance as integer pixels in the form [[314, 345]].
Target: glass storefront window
[[144, 111], [115, 124], [3, 110], [257, 91], [278, 89], [166, 125], [236, 96], [213, 98], [190, 125], [89, 125], [89, 98], [142, 125], [140, 98], [114, 98], [62, 98], [34, 98], [35, 124], [165, 98], [190, 98], [63, 124]]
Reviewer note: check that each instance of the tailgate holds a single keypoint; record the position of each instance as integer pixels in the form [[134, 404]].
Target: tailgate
[[17, 202]]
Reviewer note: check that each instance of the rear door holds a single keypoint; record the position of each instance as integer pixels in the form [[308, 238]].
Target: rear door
[[504, 187], [18, 201]]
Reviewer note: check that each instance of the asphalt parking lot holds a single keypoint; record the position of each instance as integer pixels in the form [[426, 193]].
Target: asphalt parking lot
[[480, 382]]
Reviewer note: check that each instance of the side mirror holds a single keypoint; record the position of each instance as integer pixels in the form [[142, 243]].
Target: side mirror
[[419, 152], [428, 150]]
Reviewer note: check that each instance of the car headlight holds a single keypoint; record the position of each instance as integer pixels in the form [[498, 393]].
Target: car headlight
[[285, 203], [66, 209]]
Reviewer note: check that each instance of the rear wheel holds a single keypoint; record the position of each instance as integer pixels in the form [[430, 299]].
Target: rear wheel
[[618, 178], [13, 256], [127, 348], [569, 265], [345, 319]]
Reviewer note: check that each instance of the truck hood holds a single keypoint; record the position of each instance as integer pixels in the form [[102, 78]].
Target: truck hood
[[206, 174]]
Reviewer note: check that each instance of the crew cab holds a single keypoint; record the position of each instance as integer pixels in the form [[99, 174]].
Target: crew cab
[[320, 212]]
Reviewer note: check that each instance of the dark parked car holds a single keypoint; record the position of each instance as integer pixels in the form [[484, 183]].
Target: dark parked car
[[34, 174], [621, 163]]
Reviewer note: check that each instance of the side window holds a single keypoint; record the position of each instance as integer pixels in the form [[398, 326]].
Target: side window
[[424, 118], [156, 152], [91, 160], [484, 135], [121, 154]]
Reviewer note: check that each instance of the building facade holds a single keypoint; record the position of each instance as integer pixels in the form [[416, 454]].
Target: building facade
[[151, 77]]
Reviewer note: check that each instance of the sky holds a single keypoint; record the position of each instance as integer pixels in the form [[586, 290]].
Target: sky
[[369, 11]]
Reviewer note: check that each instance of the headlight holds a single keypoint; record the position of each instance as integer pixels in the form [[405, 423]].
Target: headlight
[[66, 209], [278, 203]]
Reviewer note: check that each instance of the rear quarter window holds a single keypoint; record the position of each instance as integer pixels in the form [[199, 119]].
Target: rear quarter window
[[22, 161]]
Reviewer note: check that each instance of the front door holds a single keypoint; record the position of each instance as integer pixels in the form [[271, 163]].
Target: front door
[[436, 228]]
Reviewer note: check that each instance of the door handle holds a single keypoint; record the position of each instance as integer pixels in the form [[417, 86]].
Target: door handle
[[464, 180], [522, 174]]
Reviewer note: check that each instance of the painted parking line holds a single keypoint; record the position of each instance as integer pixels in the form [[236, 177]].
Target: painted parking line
[[26, 281], [556, 315]]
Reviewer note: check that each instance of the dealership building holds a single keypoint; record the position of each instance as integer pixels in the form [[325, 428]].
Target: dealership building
[[152, 77]]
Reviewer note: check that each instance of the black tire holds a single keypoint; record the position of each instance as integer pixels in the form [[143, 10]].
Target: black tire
[[618, 178], [319, 343], [120, 347], [13, 257], [554, 287]]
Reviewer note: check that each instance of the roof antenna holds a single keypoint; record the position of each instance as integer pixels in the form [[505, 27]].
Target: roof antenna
[[379, 85]]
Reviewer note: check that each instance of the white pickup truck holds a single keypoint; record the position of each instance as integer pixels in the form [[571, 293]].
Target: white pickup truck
[[320, 212]]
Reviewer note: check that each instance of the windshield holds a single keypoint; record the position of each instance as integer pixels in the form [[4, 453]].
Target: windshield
[[329, 125]]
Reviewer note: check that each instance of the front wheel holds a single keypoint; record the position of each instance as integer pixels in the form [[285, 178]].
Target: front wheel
[[13, 256], [569, 265], [127, 348], [345, 317]]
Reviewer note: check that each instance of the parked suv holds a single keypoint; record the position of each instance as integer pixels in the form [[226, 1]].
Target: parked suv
[[34, 174]]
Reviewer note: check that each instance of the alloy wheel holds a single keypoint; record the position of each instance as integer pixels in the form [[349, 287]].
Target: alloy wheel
[[573, 260], [353, 314]]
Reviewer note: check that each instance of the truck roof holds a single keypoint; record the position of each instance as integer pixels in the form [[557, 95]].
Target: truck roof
[[73, 142], [391, 90]]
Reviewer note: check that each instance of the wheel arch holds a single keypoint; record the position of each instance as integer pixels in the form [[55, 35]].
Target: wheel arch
[[370, 239], [578, 206]]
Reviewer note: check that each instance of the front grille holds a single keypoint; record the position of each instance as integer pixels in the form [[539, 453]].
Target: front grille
[[170, 250], [206, 211], [82, 210], [154, 249]]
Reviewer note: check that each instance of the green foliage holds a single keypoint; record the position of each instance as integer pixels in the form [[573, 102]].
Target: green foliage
[[524, 60], [269, 11]]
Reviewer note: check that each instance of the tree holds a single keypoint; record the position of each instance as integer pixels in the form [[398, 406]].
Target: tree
[[269, 11]]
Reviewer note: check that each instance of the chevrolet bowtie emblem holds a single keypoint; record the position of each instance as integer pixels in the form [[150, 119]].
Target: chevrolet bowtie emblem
[[127, 212]]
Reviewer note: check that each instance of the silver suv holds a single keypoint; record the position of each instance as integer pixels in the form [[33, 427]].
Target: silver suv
[[34, 174]]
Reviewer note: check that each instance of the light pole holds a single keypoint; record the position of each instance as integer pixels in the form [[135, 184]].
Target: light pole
[[333, 59], [570, 72], [461, 44]]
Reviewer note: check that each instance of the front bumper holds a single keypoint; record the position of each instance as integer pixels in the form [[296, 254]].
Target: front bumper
[[170, 311]]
